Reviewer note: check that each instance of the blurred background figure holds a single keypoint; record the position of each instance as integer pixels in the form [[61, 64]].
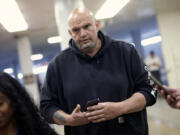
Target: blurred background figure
[[154, 64], [39, 83], [18, 114]]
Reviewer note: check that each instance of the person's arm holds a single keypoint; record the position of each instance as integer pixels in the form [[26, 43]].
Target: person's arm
[[52, 105], [51, 98], [51, 110], [76, 118], [135, 103], [176, 93], [139, 75], [110, 110], [143, 93]]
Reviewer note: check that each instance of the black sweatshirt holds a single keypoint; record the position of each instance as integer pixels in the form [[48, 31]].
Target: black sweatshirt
[[114, 74]]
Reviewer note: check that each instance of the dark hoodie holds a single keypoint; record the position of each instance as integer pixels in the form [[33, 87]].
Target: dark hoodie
[[114, 74]]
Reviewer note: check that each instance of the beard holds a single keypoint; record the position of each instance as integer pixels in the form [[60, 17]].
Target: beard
[[87, 47]]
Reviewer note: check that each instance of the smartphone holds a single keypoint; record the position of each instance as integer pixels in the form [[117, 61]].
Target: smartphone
[[159, 84], [92, 102]]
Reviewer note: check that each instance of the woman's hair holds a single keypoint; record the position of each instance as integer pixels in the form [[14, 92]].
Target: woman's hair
[[27, 116]]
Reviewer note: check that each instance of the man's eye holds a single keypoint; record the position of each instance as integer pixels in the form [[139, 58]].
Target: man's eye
[[75, 30], [86, 26]]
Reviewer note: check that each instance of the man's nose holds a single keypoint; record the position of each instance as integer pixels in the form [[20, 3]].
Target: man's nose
[[83, 33]]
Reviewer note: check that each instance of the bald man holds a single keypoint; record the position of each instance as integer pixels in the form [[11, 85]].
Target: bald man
[[96, 66]]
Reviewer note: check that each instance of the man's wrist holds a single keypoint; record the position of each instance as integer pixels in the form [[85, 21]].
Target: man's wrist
[[62, 118], [121, 108], [69, 120]]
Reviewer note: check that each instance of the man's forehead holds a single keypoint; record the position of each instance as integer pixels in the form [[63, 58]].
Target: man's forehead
[[78, 15], [80, 20], [81, 12]]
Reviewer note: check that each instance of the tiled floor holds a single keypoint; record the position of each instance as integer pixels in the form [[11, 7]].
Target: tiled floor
[[162, 120]]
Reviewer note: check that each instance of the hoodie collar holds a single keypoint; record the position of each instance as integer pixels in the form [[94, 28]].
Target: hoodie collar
[[105, 43]]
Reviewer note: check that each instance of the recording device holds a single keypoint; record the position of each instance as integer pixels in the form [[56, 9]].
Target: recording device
[[92, 102], [159, 84]]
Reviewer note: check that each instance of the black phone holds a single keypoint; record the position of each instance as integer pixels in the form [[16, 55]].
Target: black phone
[[159, 84], [92, 102]]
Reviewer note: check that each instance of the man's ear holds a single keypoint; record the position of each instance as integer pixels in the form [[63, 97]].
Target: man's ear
[[70, 32], [97, 25]]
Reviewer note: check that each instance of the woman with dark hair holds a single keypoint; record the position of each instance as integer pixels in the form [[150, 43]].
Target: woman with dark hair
[[18, 114]]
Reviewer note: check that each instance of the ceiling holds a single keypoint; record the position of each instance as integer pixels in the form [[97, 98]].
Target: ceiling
[[39, 14]]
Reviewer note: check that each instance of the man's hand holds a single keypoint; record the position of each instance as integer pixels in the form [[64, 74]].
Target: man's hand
[[77, 117], [176, 93], [110, 110], [102, 111]]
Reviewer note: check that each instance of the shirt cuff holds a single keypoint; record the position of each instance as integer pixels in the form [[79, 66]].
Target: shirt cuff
[[150, 99], [50, 114]]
